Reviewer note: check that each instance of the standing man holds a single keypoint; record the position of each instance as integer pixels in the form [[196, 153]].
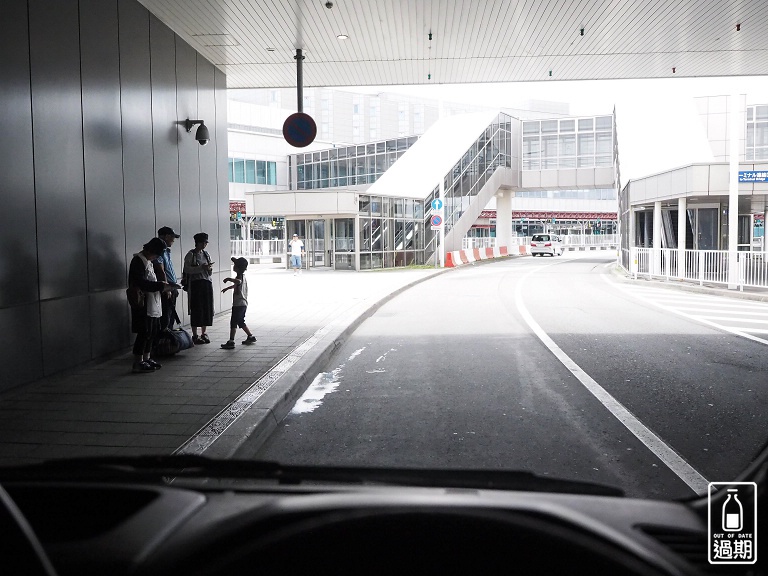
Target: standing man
[[297, 251], [167, 235]]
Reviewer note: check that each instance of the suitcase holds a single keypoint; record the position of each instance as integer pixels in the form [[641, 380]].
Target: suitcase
[[169, 342]]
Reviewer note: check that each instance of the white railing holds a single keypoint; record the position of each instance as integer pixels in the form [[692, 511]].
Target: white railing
[[710, 266], [573, 240], [253, 248], [590, 240]]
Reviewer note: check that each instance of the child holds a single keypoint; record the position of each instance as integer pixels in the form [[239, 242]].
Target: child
[[239, 304]]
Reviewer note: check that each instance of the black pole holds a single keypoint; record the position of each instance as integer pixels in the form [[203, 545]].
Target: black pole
[[299, 80]]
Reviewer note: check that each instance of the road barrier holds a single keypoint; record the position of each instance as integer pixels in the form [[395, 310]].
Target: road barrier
[[469, 256]]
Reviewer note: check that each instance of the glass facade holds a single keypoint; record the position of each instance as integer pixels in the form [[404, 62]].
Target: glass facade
[[347, 166], [392, 232], [244, 171], [757, 133], [568, 143]]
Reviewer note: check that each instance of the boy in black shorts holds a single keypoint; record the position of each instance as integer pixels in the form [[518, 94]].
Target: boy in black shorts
[[239, 304]]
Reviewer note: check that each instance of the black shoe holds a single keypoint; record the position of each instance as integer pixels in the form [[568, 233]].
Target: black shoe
[[197, 340], [230, 345], [155, 365], [205, 339], [142, 367], [250, 340]]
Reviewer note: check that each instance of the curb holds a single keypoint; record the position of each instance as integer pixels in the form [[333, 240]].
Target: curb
[[246, 435]]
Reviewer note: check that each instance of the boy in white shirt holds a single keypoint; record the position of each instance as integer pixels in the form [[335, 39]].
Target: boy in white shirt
[[239, 304]]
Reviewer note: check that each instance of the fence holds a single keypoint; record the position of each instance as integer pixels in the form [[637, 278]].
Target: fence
[[711, 266], [570, 242], [256, 248]]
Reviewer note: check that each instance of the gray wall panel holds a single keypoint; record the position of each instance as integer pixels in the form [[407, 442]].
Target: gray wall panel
[[89, 89], [222, 153], [165, 127], [22, 350], [108, 310], [66, 333], [210, 215], [189, 149], [189, 172], [136, 109], [222, 177], [57, 137], [19, 255], [102, 142]]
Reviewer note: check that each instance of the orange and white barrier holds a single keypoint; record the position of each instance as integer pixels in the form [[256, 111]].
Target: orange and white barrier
[[461, 257]]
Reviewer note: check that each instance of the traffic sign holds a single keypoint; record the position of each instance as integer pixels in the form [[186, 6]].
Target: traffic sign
[[437, 204], [437, 220]]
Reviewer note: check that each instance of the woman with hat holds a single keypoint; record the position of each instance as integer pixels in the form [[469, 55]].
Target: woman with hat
[[145, 319], [198, 270]]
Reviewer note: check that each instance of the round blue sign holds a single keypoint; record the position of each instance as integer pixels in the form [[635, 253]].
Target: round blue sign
[[299, 130], [436, 220], [437, 204]]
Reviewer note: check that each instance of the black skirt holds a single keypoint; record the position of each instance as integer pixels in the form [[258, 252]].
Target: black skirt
[[201, 303]]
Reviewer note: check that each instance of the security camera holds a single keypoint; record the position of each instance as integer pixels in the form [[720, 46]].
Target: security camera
[[329, 5], [201, 135]]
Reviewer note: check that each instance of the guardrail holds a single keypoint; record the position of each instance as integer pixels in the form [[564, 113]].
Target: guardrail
[[570, 242], [257, 248], [711, 266]]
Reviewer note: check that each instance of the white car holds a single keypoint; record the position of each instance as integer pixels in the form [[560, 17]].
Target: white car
[[546, 244]]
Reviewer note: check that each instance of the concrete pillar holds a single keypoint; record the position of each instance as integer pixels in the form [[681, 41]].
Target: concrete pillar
[[504, 218], [682, 217], [733, 192], [657, 237]]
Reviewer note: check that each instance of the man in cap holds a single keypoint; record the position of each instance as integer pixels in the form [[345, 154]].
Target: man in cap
[[168, 235]]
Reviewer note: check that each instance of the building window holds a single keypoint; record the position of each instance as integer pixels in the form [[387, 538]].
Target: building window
[[243, 171], [757, 133], [567, 143]]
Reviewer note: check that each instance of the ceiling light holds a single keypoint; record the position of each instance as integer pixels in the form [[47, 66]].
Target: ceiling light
[[342, 37], [270, 49]]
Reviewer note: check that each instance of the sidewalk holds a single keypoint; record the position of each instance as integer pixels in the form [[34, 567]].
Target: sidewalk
[[102, 408]]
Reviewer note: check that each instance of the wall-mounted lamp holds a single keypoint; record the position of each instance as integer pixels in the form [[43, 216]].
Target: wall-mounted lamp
[[202, 136]]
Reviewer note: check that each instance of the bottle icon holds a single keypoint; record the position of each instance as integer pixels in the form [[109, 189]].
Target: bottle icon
[[733, 513]]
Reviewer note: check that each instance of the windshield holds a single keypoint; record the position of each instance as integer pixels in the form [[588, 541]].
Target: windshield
[[570, 289]]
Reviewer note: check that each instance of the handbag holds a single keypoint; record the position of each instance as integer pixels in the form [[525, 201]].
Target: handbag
[[135, 297], [169, 342]]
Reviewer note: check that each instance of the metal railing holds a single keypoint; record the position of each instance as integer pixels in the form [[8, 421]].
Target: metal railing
[[573, 240], [255, 248], [710, 266]]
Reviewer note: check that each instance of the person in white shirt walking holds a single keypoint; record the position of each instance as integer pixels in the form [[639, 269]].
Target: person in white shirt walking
[[239, 304], [297, 252]]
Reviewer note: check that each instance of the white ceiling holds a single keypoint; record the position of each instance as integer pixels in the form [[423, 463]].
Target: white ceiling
[[472, 41]]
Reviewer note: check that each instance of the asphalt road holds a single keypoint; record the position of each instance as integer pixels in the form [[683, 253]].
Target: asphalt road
[[553, 365]]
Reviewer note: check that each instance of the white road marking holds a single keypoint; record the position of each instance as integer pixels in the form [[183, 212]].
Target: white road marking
[[658, 297], [663, 451]]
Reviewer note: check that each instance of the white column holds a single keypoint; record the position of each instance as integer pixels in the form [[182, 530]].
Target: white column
[[357, 243], [733, 192], [504, 218], [682, 217], [657, 237], [443, 212]]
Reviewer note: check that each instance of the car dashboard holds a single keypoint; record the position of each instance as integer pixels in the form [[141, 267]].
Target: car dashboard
[[209, 527]]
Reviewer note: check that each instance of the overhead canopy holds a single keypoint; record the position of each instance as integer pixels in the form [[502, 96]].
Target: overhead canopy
[[388, 43]]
